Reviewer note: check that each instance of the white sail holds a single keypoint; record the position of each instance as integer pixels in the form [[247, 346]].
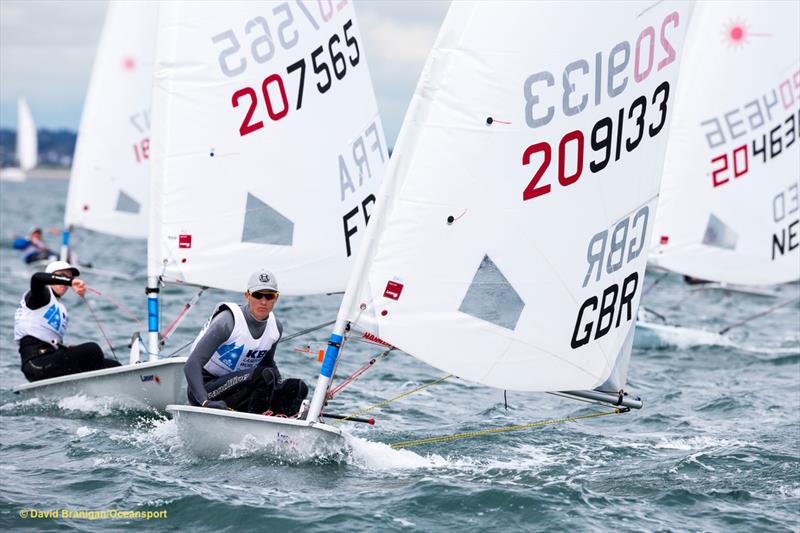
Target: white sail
[[109, 180], [729, 207], [267, 148], [27, 144], [510, 240]]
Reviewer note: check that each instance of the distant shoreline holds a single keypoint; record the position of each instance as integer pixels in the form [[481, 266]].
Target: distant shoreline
[[50, 173]]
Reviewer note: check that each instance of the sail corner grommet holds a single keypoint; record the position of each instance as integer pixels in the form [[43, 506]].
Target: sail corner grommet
[[489, 121]]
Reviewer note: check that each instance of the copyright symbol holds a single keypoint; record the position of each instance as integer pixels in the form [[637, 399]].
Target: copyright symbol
[[24, 513]]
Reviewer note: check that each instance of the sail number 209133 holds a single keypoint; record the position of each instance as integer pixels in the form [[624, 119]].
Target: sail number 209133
[[608, 136]]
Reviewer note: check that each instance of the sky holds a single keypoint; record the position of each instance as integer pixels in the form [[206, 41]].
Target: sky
[[47, 48]]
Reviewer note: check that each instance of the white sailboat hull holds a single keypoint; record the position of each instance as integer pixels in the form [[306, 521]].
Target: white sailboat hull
[[153, 384], [12, 174], [650, 335], [213, 432]]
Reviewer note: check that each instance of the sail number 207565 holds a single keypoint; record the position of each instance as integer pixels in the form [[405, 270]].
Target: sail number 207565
[[328, 62]]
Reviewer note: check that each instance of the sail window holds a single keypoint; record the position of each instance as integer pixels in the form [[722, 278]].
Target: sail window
[[264, 225], [719, 234], [491, 297]]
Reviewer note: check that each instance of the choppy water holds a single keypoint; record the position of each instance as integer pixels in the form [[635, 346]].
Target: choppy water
[[716, 448]]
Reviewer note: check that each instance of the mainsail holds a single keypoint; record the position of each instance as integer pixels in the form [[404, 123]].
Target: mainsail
[[27, 145], [729, 207], [109, 180], [511, 235], [267, 148]]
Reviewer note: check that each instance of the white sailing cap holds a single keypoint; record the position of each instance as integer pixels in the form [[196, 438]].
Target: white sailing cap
[[55, 266], [262, 280]]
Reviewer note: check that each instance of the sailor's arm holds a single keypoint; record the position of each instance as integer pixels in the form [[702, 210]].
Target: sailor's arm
[[218, 331], [39, 295]]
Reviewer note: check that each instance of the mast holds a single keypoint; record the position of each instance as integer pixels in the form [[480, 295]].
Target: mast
[[64, 254], [356, 280]]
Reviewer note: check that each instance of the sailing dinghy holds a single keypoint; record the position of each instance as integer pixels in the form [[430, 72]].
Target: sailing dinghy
[[27, 145], [729, 210], [108, 184], [267, 149], [510, 237], [107, 193]]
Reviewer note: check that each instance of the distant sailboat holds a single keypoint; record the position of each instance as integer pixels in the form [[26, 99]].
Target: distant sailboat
[[108, 188], [510, 237], [108, 185], [729, 211], [27, 145]]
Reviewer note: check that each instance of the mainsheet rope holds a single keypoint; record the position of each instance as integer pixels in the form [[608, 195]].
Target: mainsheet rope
[[390, 400], [119, 306], [100, 326], [491, 431]]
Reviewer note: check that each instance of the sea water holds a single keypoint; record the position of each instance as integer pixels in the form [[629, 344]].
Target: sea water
[[715, 448]]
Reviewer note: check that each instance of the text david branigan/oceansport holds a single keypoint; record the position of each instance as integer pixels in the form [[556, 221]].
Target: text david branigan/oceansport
[[84, 514]]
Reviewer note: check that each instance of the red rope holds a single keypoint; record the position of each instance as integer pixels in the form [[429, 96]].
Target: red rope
[[175, 321], [99, 325], [352, 377], [119, 306]]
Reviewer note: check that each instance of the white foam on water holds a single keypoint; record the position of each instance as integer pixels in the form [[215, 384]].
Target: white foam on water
[[381, 457], [677, 336], [30, 402], [157, 434], [87, 404], [698, 443], [84, 431], [403, 522]]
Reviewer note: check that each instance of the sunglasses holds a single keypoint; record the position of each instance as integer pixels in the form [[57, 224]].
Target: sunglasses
[[267, 295]]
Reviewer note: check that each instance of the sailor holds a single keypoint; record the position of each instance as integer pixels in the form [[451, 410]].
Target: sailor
[[33, 247], [232, 362], [40, 323]]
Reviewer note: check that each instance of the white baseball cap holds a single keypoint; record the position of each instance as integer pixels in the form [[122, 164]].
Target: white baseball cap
[[262, 280], [55, 266]]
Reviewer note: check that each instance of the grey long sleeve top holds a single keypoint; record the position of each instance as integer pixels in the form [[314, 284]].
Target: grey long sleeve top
[[219, 330]]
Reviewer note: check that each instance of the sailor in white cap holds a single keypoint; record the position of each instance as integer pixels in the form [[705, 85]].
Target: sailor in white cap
[[232, 362], [40, 324]]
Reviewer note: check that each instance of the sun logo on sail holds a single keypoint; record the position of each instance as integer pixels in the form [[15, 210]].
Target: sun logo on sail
[[736, 33]]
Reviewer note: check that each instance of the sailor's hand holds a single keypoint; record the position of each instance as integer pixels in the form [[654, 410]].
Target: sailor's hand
[[215, 404], [79, 286]]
